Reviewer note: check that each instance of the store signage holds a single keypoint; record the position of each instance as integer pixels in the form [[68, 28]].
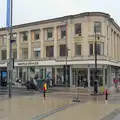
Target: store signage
[[27, 63]]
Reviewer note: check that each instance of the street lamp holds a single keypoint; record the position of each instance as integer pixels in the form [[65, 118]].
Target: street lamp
[[66, 54], [95, 54]]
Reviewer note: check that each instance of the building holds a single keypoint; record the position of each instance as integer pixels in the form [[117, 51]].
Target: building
[[40, 48]]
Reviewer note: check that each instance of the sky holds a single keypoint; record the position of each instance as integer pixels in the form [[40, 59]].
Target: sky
[[25, 11]]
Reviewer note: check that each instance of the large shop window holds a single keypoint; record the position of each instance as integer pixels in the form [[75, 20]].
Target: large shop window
[[62, 50], [25, 53], [49, 51], [78, 49], [63, 32], [78, 29], [4, 54]]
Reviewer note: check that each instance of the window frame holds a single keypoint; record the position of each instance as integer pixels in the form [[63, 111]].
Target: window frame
[[49, 31], [79, 32], [78, 46], [96, 26]]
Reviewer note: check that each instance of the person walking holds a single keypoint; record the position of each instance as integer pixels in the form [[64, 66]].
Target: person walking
[[44, 90]]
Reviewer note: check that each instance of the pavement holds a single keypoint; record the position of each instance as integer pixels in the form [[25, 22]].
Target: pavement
[[30, 105]]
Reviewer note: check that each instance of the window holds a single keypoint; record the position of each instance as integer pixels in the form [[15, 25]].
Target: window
[[25, 36], [99, 48], [102, 48], [78, 29], [91, 48], [63, 32], [49, 33], [37, 35], [62, 50], [97, 27], [14, 53], [49, 51], [78, 49], [37, 52], [4, 40], [3, 54], [25, 53]]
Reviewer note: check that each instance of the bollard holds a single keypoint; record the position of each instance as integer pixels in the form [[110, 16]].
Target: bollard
[[106, 96]]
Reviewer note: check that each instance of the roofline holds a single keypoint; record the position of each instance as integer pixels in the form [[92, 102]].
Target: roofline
[[106, 15]]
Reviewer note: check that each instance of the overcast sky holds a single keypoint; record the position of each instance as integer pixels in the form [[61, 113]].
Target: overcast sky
[[35, 10]]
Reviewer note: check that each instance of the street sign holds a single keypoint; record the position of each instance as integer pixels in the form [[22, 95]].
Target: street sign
[[10, 64]]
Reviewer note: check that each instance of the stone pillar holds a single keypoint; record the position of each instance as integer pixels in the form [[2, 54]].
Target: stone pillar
[[55, 42], [42, 43], [18, 46], [29, 46], [88, 76], [71, 76], [55, 75], [109, 76], [103, 75]]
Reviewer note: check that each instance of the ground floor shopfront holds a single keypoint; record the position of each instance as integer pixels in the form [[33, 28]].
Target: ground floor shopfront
[[84, 74], [78, 72]]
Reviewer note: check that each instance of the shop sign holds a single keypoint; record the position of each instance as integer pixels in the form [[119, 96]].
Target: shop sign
[[27, 63]]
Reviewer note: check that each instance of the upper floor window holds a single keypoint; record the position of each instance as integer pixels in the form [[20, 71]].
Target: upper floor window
[[37, 52], [4, 40], [14, 52], [63, 32], [99, 48], [49, 51], [25, 36], [97, 26], [77, 49], [50, 33], [25, 53], [62, 50], [35, 35], [91, 48], [3, 54], [78, 29]]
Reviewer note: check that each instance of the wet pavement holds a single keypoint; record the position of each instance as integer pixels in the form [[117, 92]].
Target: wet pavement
[[28, 107]]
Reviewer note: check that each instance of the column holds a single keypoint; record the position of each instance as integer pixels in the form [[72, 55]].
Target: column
[[18, 46], [29, 46], [42, 43], [55, 75], [55, 42], [71, 76], [103, 75], [88, 76], [109, 76], [8, 45]]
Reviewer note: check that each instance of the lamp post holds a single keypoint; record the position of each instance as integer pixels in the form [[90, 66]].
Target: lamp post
[[66, 73], [10, 50], [66, 54], [95, 54]]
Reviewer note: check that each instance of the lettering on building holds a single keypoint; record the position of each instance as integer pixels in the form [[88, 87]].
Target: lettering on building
[[27, 63]]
